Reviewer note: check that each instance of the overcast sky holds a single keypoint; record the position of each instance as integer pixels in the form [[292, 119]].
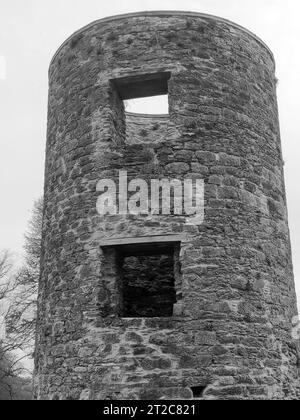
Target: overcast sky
[[30, 33]]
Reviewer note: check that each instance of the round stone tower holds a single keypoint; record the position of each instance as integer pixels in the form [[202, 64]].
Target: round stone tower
[[153, 306]]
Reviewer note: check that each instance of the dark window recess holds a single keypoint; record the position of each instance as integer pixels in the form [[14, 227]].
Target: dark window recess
[[148, 286], [143, 85], [198, 391], [141, 276]]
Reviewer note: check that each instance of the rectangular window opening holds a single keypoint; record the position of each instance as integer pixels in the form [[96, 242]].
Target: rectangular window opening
[[141, 277], [144, 277], [144, 94], [148, 285], [147, 281]]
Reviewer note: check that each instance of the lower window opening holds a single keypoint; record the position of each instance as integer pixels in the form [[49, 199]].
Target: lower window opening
[[148, 285]]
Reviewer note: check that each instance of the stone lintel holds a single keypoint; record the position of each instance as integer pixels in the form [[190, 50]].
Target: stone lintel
[[155, 239]]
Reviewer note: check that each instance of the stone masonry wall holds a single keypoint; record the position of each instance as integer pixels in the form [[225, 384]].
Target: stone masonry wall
[[142, 128], [231, 326]]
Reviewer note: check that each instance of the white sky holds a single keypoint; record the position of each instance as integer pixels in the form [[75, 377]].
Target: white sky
[[30, 33]]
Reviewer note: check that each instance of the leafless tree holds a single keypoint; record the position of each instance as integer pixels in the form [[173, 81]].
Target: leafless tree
[[5, 268], [21, 314], [18, 293], [10, 366]]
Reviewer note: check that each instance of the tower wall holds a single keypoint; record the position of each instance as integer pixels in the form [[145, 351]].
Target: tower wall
[[230, 331]]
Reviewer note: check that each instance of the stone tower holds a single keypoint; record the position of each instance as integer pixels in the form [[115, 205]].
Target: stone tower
[[153, 306]]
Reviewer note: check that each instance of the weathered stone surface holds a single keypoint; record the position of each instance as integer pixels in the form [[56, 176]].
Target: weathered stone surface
[[235, 297]]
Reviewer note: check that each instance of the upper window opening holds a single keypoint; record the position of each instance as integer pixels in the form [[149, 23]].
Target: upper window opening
[[144, 94]]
